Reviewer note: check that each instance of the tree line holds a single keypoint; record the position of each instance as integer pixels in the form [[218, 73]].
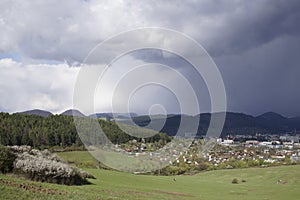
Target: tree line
[[58, 130]]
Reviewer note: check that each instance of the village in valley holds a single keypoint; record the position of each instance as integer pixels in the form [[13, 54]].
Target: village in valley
[[259, 150], [239, 151]]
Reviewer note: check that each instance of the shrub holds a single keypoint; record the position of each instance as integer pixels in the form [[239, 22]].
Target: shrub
[[46, 167], [7, 159], [235, 181], [243, 181]]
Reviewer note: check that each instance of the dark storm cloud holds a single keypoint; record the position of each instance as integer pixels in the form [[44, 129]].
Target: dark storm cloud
[[264, 79], [45, 31], [254, 24], [226, 26], [255, 44]]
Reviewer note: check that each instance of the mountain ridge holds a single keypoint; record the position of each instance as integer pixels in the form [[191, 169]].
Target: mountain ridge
[[235, 123], [37, 112]]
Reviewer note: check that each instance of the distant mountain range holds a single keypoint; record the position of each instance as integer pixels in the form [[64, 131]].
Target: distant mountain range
[[235, 123]]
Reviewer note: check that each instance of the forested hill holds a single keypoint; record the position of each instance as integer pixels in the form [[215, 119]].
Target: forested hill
[[235, 123], [56, 130]]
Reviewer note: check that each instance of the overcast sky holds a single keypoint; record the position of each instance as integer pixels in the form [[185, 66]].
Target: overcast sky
[[255, 44]]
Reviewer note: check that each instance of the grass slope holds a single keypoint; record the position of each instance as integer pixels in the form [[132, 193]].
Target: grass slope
[[261, 183]]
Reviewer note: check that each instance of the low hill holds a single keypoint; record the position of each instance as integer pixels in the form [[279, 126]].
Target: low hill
[[274, 121], [37, 112], [73, 112], [60, 130]]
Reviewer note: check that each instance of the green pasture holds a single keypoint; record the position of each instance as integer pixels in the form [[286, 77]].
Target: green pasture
[[259, 183]]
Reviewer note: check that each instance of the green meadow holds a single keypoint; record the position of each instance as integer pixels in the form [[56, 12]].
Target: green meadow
[[259, 183]]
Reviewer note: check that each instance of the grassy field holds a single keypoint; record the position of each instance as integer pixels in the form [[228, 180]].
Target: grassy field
[[261, 183]]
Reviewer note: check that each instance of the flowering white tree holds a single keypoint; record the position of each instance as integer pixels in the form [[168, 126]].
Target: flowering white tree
[[44, 166]]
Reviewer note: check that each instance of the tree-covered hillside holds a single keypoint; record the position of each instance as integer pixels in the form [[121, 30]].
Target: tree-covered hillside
[[57, 130]]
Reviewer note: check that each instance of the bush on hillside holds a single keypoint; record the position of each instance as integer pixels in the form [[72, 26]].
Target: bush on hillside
[[46, 167]]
